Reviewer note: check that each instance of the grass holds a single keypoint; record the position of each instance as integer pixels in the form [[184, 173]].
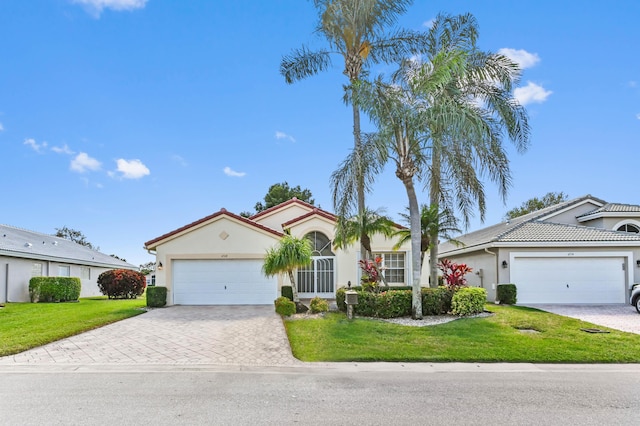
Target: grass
[[27, 325], [498, 338]]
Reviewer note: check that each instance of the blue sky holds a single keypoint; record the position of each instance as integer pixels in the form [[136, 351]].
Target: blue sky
[[126, 119]]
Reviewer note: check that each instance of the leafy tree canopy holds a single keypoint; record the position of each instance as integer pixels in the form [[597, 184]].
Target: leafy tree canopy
[[536, 203], [76, 236], [147, 268], [281, 192]]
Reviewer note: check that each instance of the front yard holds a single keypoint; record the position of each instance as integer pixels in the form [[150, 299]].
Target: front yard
[[27, 325], [512, 334]]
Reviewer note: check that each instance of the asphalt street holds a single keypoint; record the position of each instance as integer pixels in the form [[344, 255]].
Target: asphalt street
[[341, 394]]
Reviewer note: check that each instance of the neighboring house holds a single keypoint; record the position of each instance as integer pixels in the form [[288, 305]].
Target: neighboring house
[[580, 251], [25, 254], [218, 260]]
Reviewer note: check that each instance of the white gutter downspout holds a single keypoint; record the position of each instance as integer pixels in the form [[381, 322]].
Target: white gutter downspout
[[494, 287]]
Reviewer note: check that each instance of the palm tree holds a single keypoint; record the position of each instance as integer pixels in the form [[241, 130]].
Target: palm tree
[[361, 227], [354, 30], [289, 254], [443, 222]]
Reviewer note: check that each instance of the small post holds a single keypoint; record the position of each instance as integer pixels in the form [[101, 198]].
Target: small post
[[351, 299]]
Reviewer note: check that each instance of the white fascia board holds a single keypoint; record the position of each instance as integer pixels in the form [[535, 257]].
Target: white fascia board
[[635, 215], [33, 256], [541, 244]]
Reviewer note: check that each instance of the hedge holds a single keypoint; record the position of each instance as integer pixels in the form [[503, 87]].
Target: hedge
[[468, 301], [156, 296], [507, 294], [287, 291], [54, 289], [284, 306]]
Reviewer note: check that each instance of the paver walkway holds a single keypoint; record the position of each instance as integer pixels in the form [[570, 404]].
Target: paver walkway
[[239, 335], [617, 316]]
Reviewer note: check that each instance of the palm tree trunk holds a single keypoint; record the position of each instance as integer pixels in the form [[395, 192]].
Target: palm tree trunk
[[416, 237], [294, 287], [357, 146], [434, 200]]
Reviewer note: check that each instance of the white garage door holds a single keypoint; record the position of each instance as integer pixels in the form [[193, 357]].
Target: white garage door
[[569, 280], [222, 282]]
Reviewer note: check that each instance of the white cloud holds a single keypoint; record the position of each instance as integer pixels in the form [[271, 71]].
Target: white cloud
[[178, 159], [95, 7], [531, 93], [521, 57], [131, 169], [229, 172], [34, 145], [283, 135], [82, 163], [64, 149]]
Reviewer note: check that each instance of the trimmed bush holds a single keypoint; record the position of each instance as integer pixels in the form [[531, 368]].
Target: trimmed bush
[[390, 302], [468, 301], [156, 296], [284, 306], [436, 301], [287, 291], [122, 284], [318, 305], [507, 294], [54, 289]]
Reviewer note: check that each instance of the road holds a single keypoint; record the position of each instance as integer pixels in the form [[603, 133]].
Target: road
[[340, 394]]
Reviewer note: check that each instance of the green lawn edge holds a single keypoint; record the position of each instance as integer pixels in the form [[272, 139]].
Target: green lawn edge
[[505, 336]]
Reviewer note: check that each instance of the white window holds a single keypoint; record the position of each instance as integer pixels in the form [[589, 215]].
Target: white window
[[393, 267], [36, 270], [628, 227], [64, 271], [85, 273]]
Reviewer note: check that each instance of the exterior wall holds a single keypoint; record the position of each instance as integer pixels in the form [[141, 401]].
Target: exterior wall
[[569, 216], [614, 223], [596, 223], [275, 219], [15, 274], [223, 238], [484, 270]]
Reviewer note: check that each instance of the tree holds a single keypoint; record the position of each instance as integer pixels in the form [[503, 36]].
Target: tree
[[444, 222], [75, 236], [290, 253], [281, 192], [147, 268], [535, 203], [356, 31], [362, 227]]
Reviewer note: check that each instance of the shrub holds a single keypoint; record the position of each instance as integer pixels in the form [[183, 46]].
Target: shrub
[[436, 301], [284, 306], [122, 284], [454, 273], [390, 302], [468, 301], [507, 294], [318, 305], [287, 291], [54, 289], [156, 296]]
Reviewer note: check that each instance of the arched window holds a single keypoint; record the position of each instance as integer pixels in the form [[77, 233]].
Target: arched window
[[629, 227], [320, 243]]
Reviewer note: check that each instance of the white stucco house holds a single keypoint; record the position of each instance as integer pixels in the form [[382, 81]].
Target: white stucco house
[[583, 250], [25, 254], [218, 259]]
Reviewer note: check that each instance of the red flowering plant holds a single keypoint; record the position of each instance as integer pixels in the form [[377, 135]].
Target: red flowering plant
[[371, 273], [454, 273]]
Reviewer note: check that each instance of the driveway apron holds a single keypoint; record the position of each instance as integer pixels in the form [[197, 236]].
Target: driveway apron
[[617, 316], [176, 335]]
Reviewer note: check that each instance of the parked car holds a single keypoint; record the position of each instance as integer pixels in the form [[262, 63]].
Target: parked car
[[635, 297]]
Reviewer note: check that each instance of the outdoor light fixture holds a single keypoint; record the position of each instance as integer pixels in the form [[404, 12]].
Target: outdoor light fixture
[[504, 264], [638, 263], [160, 266]]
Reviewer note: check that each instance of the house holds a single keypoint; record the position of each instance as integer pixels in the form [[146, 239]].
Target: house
[[25, 254], [218, 259], [583, 250]]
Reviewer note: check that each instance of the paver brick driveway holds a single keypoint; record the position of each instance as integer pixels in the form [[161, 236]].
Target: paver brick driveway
[[240, 335], [617, 316]]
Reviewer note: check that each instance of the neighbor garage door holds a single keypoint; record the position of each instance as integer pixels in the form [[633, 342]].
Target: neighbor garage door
[[569, 279], [222, 282]]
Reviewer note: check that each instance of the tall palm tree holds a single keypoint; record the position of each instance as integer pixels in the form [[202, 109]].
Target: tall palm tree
[[356, 31], [443, 222], [349, 230], [289, 254]]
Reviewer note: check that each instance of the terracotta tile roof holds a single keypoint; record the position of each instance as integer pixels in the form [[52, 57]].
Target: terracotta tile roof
[[221, 212], [18, 242]]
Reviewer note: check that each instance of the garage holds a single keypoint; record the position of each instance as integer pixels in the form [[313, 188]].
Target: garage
[[222, 282], [569, 279]]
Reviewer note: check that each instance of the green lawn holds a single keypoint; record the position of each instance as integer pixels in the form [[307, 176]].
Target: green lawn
[[497, 338], [27, 325]]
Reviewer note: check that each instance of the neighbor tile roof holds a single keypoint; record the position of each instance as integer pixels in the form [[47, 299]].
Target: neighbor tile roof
[[614, 208], [16, 242]]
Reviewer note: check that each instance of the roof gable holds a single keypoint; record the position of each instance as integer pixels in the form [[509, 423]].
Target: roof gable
[[316, 212], [222, 213], [611, 210], [282, 206]]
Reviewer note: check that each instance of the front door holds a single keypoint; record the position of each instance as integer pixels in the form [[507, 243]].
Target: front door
[[318, 278]]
